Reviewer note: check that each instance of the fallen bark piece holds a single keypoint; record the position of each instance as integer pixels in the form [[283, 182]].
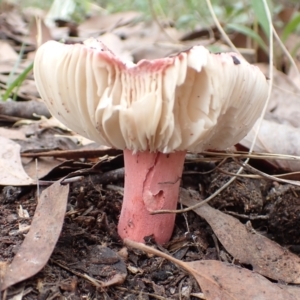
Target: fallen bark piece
[[24, 109]]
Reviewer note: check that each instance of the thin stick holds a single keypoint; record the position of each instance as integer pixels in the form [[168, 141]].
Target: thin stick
[[261, 155], [92, 280], [166, 211], [273, 178]]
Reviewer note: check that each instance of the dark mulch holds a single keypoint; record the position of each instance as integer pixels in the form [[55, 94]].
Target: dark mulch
[[89, 243]]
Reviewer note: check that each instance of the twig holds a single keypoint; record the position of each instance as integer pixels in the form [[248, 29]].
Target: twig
[[252, 176], [109, 176], [216, 245], [169, 211], [184, 265], [252, 155], [207, 172], [92, 280], [270, 177], [139, 292], [72, 180], [72, 154], [63, 182], [250, 217], [116, 188]]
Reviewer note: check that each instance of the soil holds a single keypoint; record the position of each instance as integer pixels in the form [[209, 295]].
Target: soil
[[89, 243]]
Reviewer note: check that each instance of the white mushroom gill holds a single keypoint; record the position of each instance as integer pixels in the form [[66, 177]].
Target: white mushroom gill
[[192, 101]]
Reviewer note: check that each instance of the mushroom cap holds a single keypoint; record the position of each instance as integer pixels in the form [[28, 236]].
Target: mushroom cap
[[192, 101]]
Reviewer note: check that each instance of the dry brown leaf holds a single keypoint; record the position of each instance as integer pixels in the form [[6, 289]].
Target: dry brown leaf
[[149, 41], [15, 22], [7, 53], [13, 134], [284, 105], [41, 239], [51, 123], [291, 289], [10, 161], [146, 49], [276, 138], [28, 90], [116, 45], [36, 18], [105, 23], [293, 73], [219, 280], [280, 131], [247, 246], [40, 167], [6, 66], [116, 279]]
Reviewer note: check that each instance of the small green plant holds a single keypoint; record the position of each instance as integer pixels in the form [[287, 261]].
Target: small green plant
[[16, 83]]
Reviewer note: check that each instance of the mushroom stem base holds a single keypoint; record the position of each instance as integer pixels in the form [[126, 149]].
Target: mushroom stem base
[[151, 183]]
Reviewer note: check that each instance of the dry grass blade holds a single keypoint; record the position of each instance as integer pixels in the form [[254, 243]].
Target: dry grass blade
[[257, 155]]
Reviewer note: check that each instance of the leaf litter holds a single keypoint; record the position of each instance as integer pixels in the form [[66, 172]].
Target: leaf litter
[[41, 239], [84, 219], [246, 245], [220, 280], [10, 161]]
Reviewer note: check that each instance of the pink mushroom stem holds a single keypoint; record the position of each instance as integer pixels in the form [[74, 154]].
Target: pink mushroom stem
[[152, 182]]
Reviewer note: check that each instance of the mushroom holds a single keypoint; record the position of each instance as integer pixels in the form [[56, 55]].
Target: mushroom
[[154, 111]]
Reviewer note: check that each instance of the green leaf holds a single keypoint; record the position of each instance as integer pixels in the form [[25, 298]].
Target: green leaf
[[248, 32], [291, 27], [295, 50], [260, 13], [17, 82]]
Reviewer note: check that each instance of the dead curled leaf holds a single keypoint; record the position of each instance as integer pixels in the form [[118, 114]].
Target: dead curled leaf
[[10, 161], [248, 247], [41, 239], [284, 106], [276, 138], [280, 129], [219, 280]]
